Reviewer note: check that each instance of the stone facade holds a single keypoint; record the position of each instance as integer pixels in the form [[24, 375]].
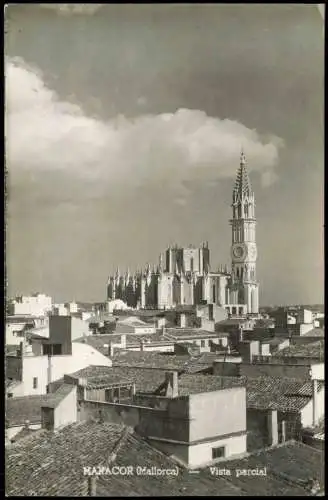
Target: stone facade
[[183, 276]]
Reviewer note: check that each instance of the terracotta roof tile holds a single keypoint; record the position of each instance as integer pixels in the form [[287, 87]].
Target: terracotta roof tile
[[312, 350], [51, 464]]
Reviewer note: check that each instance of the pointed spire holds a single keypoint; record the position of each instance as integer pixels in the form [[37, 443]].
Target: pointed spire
[[160, 267], [243, 184]]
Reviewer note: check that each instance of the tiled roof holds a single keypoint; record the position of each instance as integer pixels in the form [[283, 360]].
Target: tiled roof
[[52, 400], [51, 464], [263, 393], [194, 384], [100, 342], [189, 333], [145, 379], [312, 350], [150, 359], [231, 322], [281, 394], [183, 363], [97, 377], [305, 389], [19, 410]]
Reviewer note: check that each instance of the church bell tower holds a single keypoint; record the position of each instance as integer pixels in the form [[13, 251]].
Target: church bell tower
[[244, 289]]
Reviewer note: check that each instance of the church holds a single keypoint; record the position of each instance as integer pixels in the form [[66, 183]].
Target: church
[[183, 276]]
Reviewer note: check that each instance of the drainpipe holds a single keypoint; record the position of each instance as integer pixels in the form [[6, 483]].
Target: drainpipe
[[49, 369], [314, 402], [92, 486], [273, 427]]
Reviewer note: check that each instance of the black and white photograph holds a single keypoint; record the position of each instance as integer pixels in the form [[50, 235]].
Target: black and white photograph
[[164, 249]]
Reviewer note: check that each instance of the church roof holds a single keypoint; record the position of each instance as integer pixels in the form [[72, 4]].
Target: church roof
[[243, 184]]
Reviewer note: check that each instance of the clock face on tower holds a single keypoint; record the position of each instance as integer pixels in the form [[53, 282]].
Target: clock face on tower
[[238, 251]]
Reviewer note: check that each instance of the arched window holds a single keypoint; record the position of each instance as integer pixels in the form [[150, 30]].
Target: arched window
[[246, 210]]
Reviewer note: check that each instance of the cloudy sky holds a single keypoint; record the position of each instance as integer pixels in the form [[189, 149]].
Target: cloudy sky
[[124, 125]]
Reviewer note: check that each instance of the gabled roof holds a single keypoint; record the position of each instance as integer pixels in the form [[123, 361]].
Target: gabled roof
[[98, 377], [54, 399], [52, 464]]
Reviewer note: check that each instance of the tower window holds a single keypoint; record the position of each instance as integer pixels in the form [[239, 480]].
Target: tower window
[[246, 210]]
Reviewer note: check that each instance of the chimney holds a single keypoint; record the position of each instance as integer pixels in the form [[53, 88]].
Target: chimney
[[20, 351], [172, 389], [142, 345], [314, 402], [273, 427], [92, 486], [110, 349], [283, 431], [49, 374]]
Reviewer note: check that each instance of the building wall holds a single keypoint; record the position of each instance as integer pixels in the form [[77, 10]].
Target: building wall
[[257, 434], [14, 367], [130, 415], [152, 347], [66, 411], [137, 330], [38, 367], [35, 367], [217, 413], [307, 411], [79, 328], [305, 316], [179, 451], [14, 334], [208, 325], [37, 305], [82, 356], [60, 332], [200, 454], [318, 371]]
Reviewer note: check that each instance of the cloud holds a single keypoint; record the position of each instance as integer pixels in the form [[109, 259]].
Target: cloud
[[45, 134], [72, 8]]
